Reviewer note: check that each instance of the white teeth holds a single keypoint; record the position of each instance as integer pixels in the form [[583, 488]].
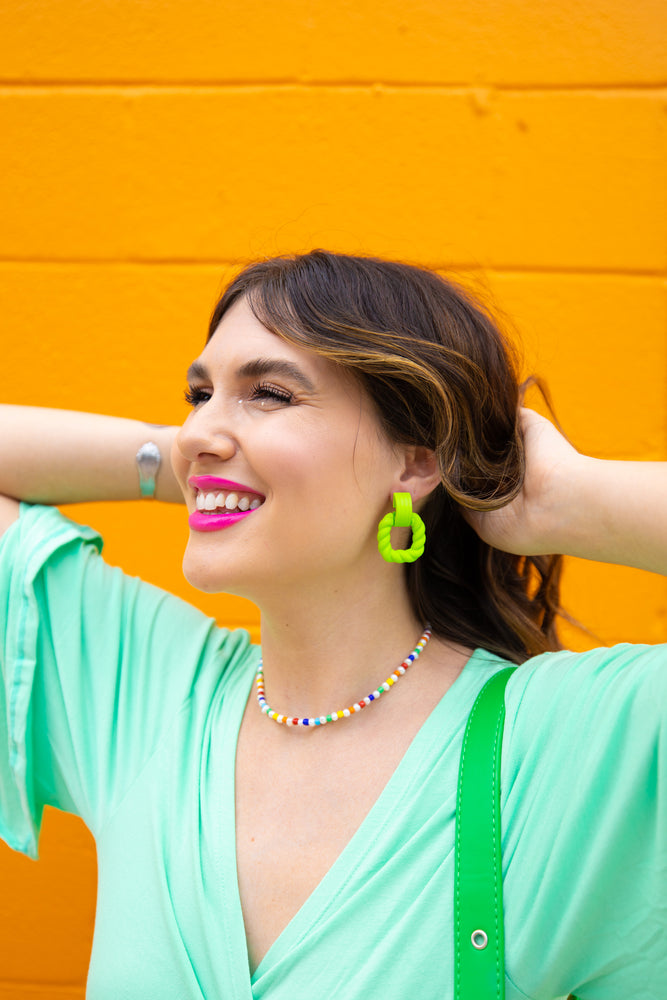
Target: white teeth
[[225, 501]]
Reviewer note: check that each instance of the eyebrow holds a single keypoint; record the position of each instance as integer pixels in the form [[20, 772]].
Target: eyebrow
[[196, 371], [257, 368]]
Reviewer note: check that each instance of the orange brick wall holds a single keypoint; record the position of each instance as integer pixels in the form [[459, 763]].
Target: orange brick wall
[[149, 147]]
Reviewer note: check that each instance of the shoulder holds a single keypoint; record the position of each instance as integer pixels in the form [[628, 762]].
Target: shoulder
[[587, 683], [606, 707], [36, 532], [584, 819], [58, 587]]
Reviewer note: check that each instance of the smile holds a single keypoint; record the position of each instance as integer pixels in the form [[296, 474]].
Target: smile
[[220, 503], [226, 500]]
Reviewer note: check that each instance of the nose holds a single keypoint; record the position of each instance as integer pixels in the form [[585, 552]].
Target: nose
[[205, 435]]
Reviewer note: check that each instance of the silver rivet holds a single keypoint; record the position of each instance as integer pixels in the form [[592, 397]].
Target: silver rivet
[[479, 939]]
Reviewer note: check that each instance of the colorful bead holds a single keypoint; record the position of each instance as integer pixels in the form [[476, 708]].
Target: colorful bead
[[343, 713]]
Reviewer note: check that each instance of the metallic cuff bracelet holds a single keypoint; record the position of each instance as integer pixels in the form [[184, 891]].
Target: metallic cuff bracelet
[[148, 463]]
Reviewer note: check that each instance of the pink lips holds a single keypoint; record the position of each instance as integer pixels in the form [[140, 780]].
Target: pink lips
[[225, 518], [214, 522], [213, 483]]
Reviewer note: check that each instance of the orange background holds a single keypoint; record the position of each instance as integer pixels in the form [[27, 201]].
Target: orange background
[[150, 147]]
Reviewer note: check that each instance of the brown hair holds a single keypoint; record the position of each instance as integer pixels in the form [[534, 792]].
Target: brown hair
[[440, 374]]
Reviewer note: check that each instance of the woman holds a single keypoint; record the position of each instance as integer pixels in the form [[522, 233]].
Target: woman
[[240, 854]]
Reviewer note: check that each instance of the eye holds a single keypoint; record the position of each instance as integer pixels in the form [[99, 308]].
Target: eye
[[194, 395], [266, 393]]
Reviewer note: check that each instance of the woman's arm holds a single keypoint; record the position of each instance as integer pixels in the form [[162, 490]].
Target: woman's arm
[[609, 511], [60, 456]]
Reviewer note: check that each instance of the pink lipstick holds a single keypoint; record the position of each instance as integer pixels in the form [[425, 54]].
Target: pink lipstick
[[214, 522], [204, 483], [200, 520]]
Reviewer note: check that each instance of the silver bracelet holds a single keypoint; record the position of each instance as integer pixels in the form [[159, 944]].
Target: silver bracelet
[[148, 463]]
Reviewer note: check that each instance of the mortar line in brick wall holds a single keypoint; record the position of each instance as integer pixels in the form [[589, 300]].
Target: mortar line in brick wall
[[462, 87], [619, 272], [448, 265], [66, 990]]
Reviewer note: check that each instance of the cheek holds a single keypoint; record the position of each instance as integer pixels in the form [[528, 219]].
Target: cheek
[[313, 466], [338, 474]]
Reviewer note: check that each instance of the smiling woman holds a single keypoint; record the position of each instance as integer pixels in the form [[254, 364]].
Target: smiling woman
[[441, 377], [239, 858]]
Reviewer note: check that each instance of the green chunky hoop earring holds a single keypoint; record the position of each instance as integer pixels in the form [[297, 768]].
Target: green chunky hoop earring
[[401, 518]]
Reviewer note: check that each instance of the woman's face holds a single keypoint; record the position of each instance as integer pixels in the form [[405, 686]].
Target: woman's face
[[285, 453]]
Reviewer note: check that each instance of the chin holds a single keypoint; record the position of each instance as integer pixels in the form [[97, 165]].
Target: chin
[[205, 574], [206, 579]]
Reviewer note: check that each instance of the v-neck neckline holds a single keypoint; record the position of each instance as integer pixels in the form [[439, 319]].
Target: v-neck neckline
[[328, 888]]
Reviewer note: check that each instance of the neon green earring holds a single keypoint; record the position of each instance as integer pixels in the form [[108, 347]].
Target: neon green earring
[[401, 518]]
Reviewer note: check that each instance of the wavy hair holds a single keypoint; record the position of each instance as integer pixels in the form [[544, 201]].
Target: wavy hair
[[440, 374]]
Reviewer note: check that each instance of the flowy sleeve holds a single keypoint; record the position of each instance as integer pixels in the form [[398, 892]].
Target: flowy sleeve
[[585, 825], [94, 665]]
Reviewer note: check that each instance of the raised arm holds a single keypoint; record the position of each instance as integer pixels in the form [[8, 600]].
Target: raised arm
[[610, 511], [61, 456]]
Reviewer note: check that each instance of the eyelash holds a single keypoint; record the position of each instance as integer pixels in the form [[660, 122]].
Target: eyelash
[[260, 390], [194, 396]]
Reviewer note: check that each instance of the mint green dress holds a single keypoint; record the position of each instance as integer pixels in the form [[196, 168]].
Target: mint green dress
[[122, 704]]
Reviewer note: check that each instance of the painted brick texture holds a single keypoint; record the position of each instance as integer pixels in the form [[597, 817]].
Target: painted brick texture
[[149, 147]]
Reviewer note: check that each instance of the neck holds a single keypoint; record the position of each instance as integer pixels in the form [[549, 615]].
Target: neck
[[329, 650]]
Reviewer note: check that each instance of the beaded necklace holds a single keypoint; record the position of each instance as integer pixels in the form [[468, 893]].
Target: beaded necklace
[[342, 713]]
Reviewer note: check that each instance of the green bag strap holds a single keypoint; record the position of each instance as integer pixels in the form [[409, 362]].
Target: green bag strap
[[478, 888], [479, 936]]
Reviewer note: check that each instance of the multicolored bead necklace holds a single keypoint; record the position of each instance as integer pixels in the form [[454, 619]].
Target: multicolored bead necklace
[[342, 713]]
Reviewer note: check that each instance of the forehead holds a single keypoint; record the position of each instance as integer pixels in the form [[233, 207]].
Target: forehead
[[240, 338], [239, 328]]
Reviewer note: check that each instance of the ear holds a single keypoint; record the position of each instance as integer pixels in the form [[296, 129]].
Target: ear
[[420, 474]]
